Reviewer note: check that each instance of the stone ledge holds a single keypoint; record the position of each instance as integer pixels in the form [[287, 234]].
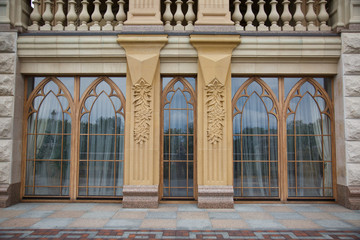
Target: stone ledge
[[215, 197], [140, 196], [349, 196], [9, 194]]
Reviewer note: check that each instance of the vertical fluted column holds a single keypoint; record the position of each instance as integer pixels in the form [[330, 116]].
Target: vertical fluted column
[[120, 16], [214, 120], [179, 16], [249, 16], [71, 16], [47, 16], [299, 17], [311, 16], [84, 16], [261, 17], [108, 16], [59, 16], [323, 17], [274, 16], [236, 16], [190, 16], [286, 17], [142, 135], [35, 17]]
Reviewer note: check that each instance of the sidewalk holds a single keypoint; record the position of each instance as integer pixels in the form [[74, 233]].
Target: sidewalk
[[253, 217]]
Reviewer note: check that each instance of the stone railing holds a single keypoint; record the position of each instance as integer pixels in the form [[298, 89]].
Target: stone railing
[[180, 15], [71, 15], [285, 15]]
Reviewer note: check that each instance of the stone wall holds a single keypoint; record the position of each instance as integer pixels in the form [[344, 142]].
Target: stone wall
[[9, 184], [349, 191]]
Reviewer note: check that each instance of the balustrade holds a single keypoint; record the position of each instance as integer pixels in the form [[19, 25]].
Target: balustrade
[[180, 15]]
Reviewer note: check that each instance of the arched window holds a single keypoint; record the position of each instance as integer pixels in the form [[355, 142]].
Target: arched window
[[48, 143], [178, 134], [309, 156], [101, 155], [255, 140]]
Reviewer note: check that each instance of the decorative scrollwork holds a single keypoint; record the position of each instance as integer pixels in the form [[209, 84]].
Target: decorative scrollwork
[[142, 110], [215, 110]]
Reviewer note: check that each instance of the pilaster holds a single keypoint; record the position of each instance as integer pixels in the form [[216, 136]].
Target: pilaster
[[212, 12], [144, 13], [214, 147], [142, 145]]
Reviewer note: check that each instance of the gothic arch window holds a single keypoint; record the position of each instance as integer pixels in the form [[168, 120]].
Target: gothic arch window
[[309, 116], [178, 134], [49, 114], [101, 156], [255, 140]]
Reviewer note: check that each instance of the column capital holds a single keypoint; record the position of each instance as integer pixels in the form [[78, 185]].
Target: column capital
[[210, 13]]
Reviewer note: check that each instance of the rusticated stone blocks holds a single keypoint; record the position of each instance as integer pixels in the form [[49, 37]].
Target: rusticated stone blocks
[[140, 196], [7, 42], [215, 197]]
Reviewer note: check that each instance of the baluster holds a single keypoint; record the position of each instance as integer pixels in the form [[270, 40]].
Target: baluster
[[96, 16], [286, 16], [179, 16], [47, 16], [120, 16], [59, 16], [274, 17], [108, 16], [71, 16], [249, 17], [35, 16], [299, 17], [168, 17], [261, 17], [84, 16], [190, 16], [311, 16], [237, 17], [323, 17]]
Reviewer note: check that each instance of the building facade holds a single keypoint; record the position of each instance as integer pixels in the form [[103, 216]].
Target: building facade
[[210, 101]]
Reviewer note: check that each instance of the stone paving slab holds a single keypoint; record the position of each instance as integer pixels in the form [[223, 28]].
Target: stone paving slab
[[170, 234], [185, 217]]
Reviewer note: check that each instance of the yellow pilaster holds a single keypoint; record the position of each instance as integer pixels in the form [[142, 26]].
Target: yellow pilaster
[[214, 147], [212, 12], [142, 144]]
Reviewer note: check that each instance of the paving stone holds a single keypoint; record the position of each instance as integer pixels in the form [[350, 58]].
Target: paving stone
[[123, 223], [161, 215], [255, 215], [305, 209], [158, 224], [107, 208], [130, 215], [53, 223], [229, 224], [51, 206], [247, 208], [189, 208], [287, 216], [198, 224], [19, 222], [79, 207], [192, 215], [67, 214], [299, 224], [88, 223], [36, 214], [333, 224], [95, 215], [265, 224], [11, 213], [355, 223], [318, 215], [347, 216], [24, 206], [223, 215], [3, 219], [277, 209]]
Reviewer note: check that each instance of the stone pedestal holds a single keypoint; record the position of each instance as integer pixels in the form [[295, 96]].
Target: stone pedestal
[[144, 13], [215, 197], [136, 196], [9, 194]]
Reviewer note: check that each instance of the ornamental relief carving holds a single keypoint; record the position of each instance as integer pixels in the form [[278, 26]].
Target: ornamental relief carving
[[215, 110], [142, 110]]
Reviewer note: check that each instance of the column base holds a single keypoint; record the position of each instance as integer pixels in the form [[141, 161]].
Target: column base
[[140, 196], [215, 197], [349, 196], [9, 194]]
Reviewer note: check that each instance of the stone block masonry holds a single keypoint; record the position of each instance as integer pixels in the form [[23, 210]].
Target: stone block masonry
[[8, 194]]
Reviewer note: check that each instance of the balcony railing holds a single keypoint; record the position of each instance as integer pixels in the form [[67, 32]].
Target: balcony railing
[[180, 15]]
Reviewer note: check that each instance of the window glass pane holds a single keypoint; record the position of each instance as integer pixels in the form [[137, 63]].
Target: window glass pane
[[237, 124], [309, 174], [101, 174], [85, 83], [178, 147], [48, 147], [274, 148], [83, 147], [273, 83], [165, 81], [255, 192], [84, 123], [178, 174], [29, 181], [178, 121], [66, 147], [191, 80], [69, 83], [308, 119], [120, 82], [327, 148], [120, 124], [190, 122], [102, 116], [47, 173], [31, 123], [166, 121], [50, 115], [255, 118], [190, 152], [289, 83], [274, 174], [178, 101], [102, 147], [67, 123], [255, 174], [237, 147], [119, 148], [309, 148], [255, 148], [290, 148], [236, 83], [254, 87], [30, 147], [119, 174]]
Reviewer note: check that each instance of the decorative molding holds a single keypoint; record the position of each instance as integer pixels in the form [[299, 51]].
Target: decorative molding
[[215, 110], [142, 110]]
